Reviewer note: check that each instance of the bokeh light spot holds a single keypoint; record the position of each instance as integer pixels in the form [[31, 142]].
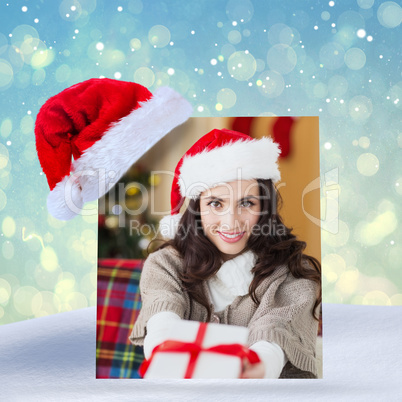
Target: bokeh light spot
[[49, 259], [272, 84], [338, 86], [63, 73], [320, 90], [27, 124], [389, 14], [396, 300], [22, 33], [365, 4], [332, 55], [226, 97], [361, 33], [360, 108], [144, 76], [7, 250], [364, 142], [65, 285], [376, 298], [159, 36], [6, 74], [234, 37], [6, 128], [70, 10], [42, 58], [4, 159], [44, 278], [38, 77], [5, 291], [397, 186], [325, 15], [368, 164], [373, 232], [48, 303], [280, 34], [76, 300], [348, 282], [239, 10], [8, 226], [281, 58], [22, 300], [338, 239], [135, 44], [135, 6], [355, 58], [3, 200], [241, 65], [333, 265]]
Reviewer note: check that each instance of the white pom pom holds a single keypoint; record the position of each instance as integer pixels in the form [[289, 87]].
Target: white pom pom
[[168, 225], [65, 200]]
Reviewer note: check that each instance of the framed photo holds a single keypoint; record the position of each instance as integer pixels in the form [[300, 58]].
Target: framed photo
[[130, 215]]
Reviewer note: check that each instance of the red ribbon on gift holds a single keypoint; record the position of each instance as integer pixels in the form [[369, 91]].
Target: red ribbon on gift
[[195, 348]]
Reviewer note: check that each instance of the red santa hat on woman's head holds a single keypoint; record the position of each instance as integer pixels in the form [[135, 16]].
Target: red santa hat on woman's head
[[106, 125], [221, 156]]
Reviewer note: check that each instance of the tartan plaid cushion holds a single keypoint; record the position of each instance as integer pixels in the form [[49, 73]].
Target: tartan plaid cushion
[[118, 306]]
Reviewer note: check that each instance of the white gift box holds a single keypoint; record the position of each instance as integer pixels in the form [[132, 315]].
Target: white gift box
[[167, 364]]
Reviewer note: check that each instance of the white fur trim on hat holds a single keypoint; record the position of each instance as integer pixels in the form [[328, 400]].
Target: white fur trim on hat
[[106, 161], [65, 200], [239, 160], [168, 225]]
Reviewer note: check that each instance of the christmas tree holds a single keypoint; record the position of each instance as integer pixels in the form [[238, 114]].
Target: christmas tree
[[125, 228]]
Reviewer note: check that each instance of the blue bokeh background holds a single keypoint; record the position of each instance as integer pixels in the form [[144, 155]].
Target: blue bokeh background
[[339, 60]]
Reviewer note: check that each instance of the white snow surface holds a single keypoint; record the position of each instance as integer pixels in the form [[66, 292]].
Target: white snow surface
[[53, 358]]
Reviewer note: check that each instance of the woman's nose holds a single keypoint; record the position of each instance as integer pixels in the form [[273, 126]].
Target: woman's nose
[[231, 219]]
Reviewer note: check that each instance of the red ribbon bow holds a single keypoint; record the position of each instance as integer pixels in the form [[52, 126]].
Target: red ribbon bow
[[195, 348]]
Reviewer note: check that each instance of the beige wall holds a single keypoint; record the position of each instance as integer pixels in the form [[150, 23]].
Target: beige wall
[[299, 169]]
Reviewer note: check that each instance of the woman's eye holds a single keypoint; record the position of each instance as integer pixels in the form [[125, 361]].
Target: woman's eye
[[247, 204], [215, 204]]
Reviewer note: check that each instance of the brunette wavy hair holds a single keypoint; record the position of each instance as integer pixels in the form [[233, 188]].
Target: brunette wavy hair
[[274, 246]]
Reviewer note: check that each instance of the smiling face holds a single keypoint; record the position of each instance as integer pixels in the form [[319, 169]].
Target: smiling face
[[228, 214]]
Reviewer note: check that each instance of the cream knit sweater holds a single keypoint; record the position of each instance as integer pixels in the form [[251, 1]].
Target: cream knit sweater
[[283, 316], [233, 279]]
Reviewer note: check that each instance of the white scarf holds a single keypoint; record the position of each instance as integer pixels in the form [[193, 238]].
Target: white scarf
[[233, 279]]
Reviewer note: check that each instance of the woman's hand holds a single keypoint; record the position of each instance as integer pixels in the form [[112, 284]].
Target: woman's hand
[[249, 370]]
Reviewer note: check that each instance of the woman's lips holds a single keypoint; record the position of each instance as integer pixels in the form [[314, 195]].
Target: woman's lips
[[231, 237]]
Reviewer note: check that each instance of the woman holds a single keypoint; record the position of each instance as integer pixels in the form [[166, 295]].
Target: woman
[[231, 260]]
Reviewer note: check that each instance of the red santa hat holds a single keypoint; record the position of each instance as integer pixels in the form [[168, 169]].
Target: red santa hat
[[221, 156], [106, 125]]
